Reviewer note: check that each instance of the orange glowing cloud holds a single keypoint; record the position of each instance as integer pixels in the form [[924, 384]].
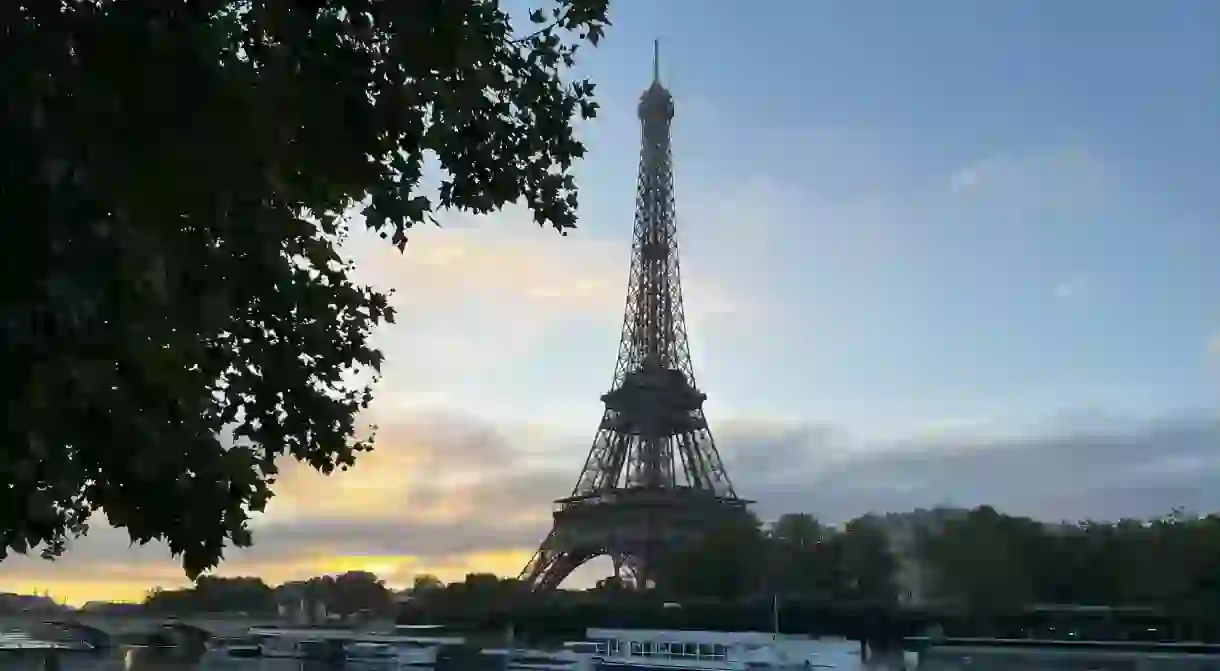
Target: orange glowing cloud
[[426, 500]]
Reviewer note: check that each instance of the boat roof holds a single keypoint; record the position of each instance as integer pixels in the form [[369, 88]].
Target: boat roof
[[677, 636], [350, 635], [392, 638], [306, 634]]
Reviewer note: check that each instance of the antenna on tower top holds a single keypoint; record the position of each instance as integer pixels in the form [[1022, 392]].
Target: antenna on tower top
[[656, 61]]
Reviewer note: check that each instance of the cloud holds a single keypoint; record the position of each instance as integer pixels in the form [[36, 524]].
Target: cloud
[[450, 494], [501, 258], [437, 494], [963, 180], [954, 426], [1056, 174], [1109, 470], [1073, 287], [1213, 345], [506, 263], [481, 294]]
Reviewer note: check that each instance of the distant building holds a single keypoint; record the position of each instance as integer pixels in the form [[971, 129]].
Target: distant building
[[296, 602], [28, 603]]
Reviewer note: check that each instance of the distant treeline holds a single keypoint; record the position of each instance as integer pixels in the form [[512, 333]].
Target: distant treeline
[[980, 560], [991, 562], [351, 593], [971, 570], [980, 563]]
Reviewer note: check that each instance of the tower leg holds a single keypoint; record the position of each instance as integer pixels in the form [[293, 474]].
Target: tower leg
[[552, 563]]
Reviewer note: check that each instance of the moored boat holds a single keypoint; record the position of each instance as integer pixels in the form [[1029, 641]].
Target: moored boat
[[361, 652], [317, 644], [241, 647], [22, 642], [406, 645], [414, 644], [662, 650], [573, 656]]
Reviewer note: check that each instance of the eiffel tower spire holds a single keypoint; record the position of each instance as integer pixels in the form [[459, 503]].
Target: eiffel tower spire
[[656, 61], [653, 478]]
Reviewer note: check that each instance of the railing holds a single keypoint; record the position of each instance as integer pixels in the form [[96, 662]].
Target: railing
[[641, 495]]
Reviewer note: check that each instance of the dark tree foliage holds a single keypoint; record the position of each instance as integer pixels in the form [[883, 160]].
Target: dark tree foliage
[[988, 561], [174, 177], [866, 562], [807, 558], [795, 557], [214, 595], [425, 583], [740, 567], [351, 593], [358, 591]]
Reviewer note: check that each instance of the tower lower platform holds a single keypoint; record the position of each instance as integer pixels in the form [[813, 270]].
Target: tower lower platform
[[635, 527]]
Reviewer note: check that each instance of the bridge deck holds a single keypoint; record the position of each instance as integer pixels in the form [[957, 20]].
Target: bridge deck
[[218, 625]]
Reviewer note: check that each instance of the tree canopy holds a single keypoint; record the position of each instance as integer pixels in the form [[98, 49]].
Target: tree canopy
[[175, 183], [988, 561], [978, 572], [796, 556], [344, 595]]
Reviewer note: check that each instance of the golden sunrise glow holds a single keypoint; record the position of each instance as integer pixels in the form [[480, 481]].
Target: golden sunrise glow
[[80, 592], [397, 571], [551, 273]]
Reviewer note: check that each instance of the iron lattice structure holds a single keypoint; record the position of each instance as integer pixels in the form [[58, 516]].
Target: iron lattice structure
[[653, 478]]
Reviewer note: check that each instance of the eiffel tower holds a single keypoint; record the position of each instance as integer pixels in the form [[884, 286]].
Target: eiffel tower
[[653, 479]]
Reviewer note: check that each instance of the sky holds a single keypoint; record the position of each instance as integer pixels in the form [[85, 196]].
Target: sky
[[944, 253]]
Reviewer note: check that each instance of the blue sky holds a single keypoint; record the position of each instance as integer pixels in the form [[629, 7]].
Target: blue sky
[[937, 252], [1070, 267]]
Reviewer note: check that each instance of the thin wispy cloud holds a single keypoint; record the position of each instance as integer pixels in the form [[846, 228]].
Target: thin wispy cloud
[[955, 426], [1213, 345], [964, 180], [1074, 287]]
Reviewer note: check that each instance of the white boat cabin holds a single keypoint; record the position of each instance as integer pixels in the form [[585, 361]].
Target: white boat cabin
[[711, 650]]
